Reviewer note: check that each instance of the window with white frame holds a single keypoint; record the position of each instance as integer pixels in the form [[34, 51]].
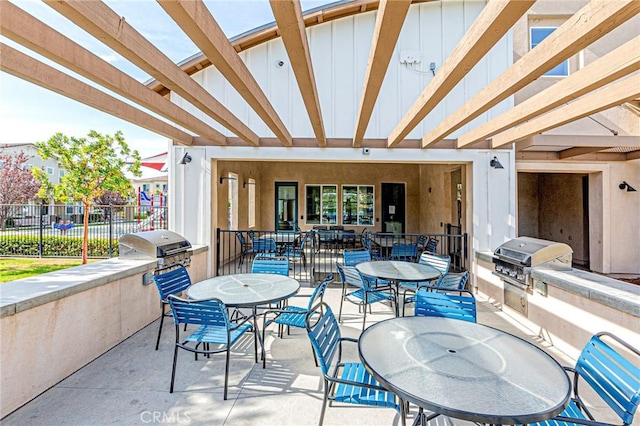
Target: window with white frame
[[537, 34], [61, 173], [50, 170], [357, 205], [321, 204], [251, 196]]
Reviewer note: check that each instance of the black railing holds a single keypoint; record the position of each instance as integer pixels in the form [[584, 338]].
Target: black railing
[[324, 248], [53, 231]]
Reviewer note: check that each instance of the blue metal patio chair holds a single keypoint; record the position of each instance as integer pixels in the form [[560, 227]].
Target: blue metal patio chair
[[215, 329], [296, 251], [373, 248], [614, 378], [353, 257], [450, 281], [453, 280], [345, 382], [270, 265], [447, 303], [441, 263], [405, 252], [431, 246], [246, 248], [265, 245], [364, 294], [170, 283], [294, 316]]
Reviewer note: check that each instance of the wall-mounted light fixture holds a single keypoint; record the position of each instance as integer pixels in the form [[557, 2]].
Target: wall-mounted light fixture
[[624, 185], [244, 184], [186, 159], [222, 178], [495, 163]]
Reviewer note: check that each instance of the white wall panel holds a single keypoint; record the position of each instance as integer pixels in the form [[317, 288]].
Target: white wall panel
[[431, 38], [343, 109], [322, 46]]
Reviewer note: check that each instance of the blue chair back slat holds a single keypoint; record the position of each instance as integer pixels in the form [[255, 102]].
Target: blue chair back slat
[[325, 336], [432, 245], [172, 282], [442, 303], [241, 238], [441, 263], [615, 379], [453, 281], [199, 312], [270, 265], [400, 251], [353, 257]]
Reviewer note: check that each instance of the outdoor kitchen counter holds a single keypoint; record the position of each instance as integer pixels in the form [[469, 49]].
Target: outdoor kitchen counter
[[607, 291], [27, 293]]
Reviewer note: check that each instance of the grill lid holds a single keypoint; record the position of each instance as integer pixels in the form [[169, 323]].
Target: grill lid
[[529, 251], [157, 244]]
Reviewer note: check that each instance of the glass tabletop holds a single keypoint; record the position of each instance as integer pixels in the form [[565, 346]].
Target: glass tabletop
[[245, 289], [465, 370], [397, 270]]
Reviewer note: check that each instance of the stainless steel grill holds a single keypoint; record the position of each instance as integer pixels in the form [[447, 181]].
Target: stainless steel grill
[[169, 248], [513, 262]]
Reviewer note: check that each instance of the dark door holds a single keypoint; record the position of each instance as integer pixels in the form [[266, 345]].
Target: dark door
[[286, 206], [393, 207]]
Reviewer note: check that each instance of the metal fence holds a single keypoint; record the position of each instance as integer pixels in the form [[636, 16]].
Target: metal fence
[[45, 230], [325, 248]]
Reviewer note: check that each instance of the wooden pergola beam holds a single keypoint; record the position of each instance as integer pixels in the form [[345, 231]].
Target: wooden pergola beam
[[612, 95], [494, 21], [585, 141], [197, 22], [291, 26], [633, 155], [25, 67], [587, 25], [99, 20], [23, 28], [389, 22], [618, 63]]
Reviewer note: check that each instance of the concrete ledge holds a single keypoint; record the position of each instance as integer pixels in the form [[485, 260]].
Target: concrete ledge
[[607, 291], [572, 306]]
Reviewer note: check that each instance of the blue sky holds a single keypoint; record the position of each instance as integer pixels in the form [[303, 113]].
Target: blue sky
[[29, 113]]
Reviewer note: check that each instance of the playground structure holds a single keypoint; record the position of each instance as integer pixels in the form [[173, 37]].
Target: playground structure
[[154, 208]]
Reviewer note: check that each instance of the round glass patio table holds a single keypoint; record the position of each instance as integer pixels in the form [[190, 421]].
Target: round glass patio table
[[246, 291], [465, 370], [397, 271]]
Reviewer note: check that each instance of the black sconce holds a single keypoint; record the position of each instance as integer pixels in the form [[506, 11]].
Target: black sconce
[[186, 159], [624, 185], [495, 163]]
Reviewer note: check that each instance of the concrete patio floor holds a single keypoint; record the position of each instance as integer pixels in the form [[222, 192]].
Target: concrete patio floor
[[129, 385]]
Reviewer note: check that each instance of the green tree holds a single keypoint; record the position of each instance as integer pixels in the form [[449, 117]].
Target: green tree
[[93, 165]]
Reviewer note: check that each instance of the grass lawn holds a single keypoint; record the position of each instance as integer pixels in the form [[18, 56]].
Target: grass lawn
[[16, 268]]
